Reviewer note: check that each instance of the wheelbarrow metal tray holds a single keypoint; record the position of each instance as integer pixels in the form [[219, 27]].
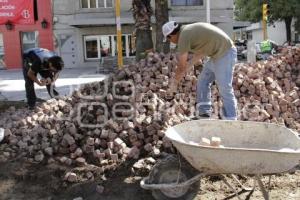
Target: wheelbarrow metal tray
[[249, 147]]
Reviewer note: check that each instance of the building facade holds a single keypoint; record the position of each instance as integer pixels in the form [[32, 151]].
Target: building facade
[[85, 30], [15, 38], [275, 32]]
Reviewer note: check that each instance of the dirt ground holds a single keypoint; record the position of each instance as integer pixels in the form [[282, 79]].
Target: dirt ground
[[20, 180]]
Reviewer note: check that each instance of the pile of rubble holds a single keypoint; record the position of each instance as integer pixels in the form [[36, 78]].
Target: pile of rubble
[[269, 91], [126, 115]]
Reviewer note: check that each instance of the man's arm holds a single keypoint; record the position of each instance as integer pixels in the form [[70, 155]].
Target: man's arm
[[55, 77], [181, 67], [184, 66], [196, 59], [32, 76], [179, 72]]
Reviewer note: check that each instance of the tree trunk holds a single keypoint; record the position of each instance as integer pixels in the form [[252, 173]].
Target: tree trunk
[[288, 23], [142, 11], [161, 16], [144, 43]]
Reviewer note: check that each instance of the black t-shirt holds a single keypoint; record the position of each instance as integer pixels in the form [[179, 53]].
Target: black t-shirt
[[37, 61]]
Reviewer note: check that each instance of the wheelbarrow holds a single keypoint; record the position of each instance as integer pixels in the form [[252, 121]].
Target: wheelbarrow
[[253, 149]]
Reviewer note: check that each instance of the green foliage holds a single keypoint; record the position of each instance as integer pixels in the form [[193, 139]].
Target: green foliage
[[248, 10], [251, 10], [281, 9]]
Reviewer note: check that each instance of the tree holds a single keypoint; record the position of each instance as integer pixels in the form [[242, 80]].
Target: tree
[[161, 17], [142, 12], [286, 11], [282, 10], [248, 10]]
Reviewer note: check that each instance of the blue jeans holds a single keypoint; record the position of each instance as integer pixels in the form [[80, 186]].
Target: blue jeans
[[221, 71]]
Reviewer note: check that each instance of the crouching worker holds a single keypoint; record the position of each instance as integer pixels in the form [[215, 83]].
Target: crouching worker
[[45, 63]]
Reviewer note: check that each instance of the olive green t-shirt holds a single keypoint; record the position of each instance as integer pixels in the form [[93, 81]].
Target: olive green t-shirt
[[205, 39]]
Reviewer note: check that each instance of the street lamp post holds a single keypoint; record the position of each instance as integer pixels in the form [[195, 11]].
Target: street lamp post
[[265, 14], [119, 34]]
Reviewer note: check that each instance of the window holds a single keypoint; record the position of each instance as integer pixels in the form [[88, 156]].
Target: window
[[91, 46], [187, 2], [96, 3], [29, 40], [93, 4], [106, 46], [109, 3], [125, 42], [2, 63], [84, 3]]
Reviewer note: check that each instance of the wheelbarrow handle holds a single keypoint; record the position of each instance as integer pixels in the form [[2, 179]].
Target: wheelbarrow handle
[[147, 186]]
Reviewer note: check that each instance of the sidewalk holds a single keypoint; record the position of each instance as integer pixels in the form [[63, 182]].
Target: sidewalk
[[12, 84]]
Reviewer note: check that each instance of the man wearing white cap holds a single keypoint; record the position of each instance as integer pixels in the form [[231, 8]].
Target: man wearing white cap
[[205, 40]]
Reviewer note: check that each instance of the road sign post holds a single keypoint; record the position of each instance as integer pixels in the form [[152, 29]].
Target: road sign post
[[265, 14], [119, 34]]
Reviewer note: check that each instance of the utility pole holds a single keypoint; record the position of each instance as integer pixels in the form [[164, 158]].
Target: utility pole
[[208, 11], [265, 14], [119, 34]]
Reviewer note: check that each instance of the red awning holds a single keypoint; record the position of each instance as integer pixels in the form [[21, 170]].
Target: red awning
[[16, 11]]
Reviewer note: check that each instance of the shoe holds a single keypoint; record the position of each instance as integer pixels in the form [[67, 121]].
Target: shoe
[[56, 93], [202, 116]]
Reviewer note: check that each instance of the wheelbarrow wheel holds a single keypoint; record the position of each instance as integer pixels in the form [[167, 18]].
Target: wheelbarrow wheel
[[169, 170]]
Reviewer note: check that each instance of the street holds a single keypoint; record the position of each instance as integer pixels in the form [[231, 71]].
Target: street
[[12, 85]]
